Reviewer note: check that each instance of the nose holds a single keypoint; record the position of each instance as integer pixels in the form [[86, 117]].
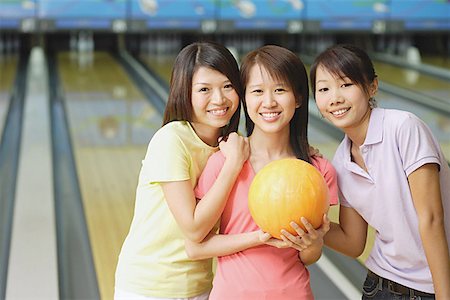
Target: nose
[[336, 98], [217, 97], [269, 100]]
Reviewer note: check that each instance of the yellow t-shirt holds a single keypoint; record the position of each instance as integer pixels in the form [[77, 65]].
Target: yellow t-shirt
[[153, 260]]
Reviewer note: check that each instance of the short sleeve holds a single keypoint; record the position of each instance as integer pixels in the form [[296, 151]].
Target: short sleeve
[[416, 144], [329, 174], [167, 158], [209, 174]]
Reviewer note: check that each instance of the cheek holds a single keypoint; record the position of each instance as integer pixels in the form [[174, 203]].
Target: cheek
[[234, 97], [250, 103], [321, 104]]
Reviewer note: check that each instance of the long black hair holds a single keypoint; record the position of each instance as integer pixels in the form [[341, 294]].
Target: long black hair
[[200, 54], [286, 66]]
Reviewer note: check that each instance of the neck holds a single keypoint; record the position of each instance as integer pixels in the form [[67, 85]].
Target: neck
[[207, 134], [270, 146], [358, 132]]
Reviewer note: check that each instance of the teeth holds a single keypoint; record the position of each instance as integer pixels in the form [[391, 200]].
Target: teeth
[[269, 115], [218, 112], [339, 112]]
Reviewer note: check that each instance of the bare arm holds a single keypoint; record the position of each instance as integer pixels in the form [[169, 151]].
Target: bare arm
[[425, 189], [224, 244], [197, 220], [349, 236]]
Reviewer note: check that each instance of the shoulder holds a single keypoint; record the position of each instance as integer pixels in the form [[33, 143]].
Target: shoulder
[[323, 165], [329, 174], [173, 128], [173, 132], [399, 118], [405, 126]]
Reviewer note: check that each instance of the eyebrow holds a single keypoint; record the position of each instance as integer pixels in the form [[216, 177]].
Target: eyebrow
[[253, 85], [208, 83]]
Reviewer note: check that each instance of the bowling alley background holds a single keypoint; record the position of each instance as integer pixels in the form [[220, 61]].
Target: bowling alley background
[[83, 85]]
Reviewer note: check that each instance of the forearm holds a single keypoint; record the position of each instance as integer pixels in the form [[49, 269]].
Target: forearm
[[436, 250], [222, 244], [338, 240], [210, 208], [426, 194]]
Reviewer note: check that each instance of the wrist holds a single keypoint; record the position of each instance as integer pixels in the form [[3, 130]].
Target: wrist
[[232, 166]]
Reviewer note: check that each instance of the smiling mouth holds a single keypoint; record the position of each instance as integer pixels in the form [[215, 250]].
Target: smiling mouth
[[340, 112], [218, 112], [270, 115]]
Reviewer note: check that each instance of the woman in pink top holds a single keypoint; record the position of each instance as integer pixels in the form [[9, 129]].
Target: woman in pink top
[[276, 109]]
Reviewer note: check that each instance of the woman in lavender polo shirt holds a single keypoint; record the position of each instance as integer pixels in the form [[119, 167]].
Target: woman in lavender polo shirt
[[392, 175]]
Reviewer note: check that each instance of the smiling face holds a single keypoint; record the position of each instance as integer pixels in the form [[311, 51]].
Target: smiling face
[[270, 102], [214, 101], [342, 102]]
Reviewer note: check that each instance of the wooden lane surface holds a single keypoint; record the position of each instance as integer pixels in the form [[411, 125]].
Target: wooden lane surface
[[110, 124], [413, 80], [8, 66], [162, 65], [437, 61]]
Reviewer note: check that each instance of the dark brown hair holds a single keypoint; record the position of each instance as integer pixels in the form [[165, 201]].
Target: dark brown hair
[[200, 54], [286, 66], [345, 61]]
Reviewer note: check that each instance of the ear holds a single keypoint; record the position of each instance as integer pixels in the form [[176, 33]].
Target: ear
[[298, 103], [373, 87]]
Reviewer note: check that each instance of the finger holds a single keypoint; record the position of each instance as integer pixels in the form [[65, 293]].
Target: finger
[[309, 228], [325, 224], [297, 229], [287, 241], [264, 236], [222, 139], [296, 242], [290, 236], [279, 243], [297, 246]]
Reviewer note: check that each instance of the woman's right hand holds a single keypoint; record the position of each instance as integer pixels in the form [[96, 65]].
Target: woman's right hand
[[235, 148]]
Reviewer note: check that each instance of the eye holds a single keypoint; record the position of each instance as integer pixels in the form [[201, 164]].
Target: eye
[[280, 90], [347, 84], [256, 91], [203, 89], [322, 89], [228, 86]]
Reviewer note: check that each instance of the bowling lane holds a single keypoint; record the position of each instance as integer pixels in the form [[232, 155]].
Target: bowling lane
[[8, 66], [413, 80], [437, 61], [110, 124], [161, 65]]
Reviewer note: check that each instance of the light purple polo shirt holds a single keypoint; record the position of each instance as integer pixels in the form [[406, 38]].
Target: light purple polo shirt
[[397, 143]]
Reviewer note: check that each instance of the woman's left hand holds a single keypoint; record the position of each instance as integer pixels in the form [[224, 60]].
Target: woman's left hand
[[305, 239]]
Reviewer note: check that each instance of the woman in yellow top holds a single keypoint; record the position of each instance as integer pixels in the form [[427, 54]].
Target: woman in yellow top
[[203, 105]]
